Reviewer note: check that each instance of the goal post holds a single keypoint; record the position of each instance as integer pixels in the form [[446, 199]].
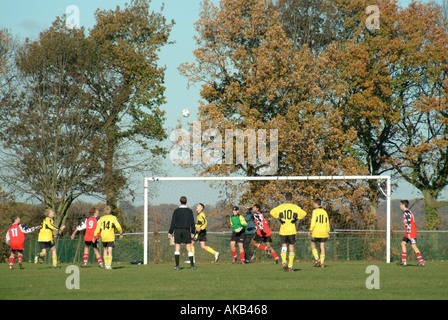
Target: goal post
[[147, 181]]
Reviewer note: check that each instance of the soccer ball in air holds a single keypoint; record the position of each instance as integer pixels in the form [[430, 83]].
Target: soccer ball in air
[[185, 112]]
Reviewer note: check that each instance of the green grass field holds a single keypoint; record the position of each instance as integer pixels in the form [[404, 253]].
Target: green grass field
[[222, 281]]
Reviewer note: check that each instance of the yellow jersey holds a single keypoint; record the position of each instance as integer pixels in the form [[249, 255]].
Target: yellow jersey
[[202, 221], [288, 214], [320, 224], [107, 224], [46, 232]]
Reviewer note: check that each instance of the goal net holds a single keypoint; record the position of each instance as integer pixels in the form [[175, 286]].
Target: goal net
[[345, 198]]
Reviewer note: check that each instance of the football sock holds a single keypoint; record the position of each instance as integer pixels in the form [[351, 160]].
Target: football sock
[[274, 255], [108, 262], [11, 261], [192, 250], [419, 257], [86, 257], [176, 257], [322, 258], [234, 255], [403, 257], [283, 254], [315, 254], [291, 259], [261, 247], [55, 260], [208, 249], [20, 257], [242, 256], [100, 261], [191, 257]]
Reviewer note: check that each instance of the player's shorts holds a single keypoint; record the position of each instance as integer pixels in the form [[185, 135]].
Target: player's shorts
[[411, 241], [320, 240], [202, 236], [91, 243], [46, 244], [182, 236], [109, 244], [290, 239], [17, 246], [237, 237], [16, 250], [257, 238]]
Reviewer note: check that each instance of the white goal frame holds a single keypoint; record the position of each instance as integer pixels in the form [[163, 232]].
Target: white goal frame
[[267, 178]]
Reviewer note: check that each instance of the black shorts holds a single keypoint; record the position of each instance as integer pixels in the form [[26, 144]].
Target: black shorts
[[257, 238], [202, 236], [237, 237], [411, 241], [290, 239], [46, 244], [320, 240], [110, 244], [182, 236], [93, 244]]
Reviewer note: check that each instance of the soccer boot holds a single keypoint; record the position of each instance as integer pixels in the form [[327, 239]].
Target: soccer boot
[[188, 261], [216, 256], [421, 264]]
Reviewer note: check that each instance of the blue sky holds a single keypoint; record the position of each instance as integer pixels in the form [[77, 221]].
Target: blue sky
[[27, 18]]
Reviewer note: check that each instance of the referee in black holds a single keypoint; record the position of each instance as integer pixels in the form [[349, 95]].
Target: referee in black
[[182, 228]]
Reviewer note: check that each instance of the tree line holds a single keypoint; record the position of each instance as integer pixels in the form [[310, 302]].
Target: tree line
[[81, 111], [347, 98]]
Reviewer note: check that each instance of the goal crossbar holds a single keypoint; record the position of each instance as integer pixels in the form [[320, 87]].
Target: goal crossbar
[[268, 178]]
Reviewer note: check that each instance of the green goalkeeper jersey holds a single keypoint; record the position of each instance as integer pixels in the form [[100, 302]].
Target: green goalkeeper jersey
[[237, 221]]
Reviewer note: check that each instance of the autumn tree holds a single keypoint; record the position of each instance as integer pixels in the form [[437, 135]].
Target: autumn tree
[[312, 23], [419, 148], [363, 62], [387, 72], [127, 89], [253, 78], [86, 110], [47, 136]]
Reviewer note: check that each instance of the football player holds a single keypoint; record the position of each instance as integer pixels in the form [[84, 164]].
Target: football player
[[288, 214]]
